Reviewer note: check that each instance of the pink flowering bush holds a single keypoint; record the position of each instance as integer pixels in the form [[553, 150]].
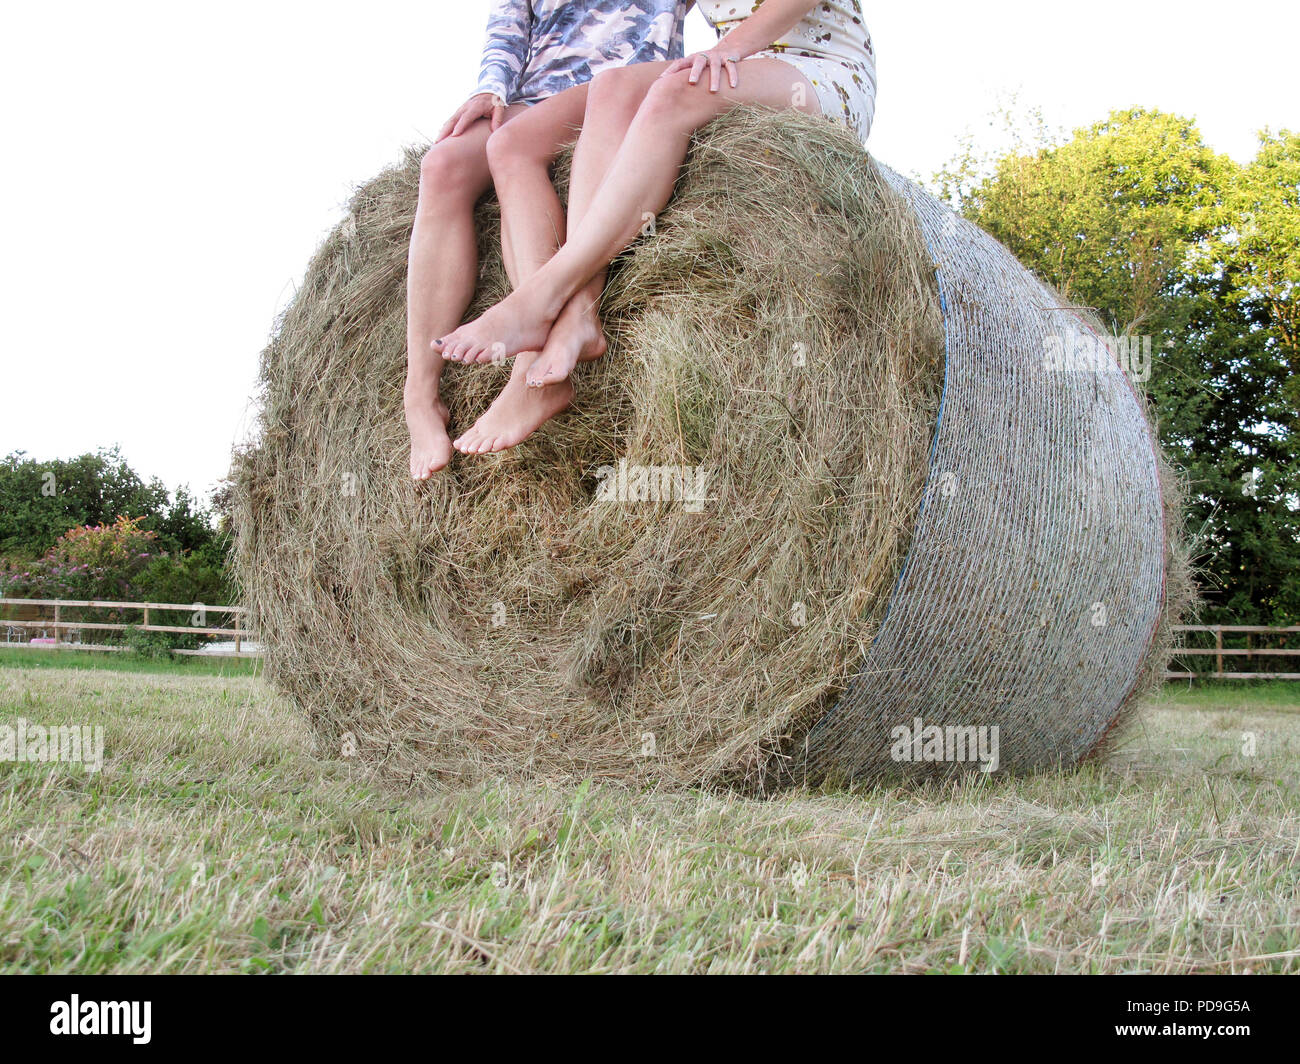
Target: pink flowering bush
[[89, 562], [118, 562]]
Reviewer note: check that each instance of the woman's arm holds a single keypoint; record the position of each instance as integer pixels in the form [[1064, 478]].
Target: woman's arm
[[761, 30], [509, 35]]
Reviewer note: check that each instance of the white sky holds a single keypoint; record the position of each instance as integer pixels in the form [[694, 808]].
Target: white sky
[[169, 167]]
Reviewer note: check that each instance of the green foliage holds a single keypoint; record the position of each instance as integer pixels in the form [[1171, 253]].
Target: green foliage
[[1111, 215], [1138, 219], [1261, 253], [90, 561], [121, 561], [157, 645], [182, 578], [40, 501], [90, 528]]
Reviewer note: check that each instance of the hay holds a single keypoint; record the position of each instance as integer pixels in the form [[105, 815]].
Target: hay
[[781, 331]]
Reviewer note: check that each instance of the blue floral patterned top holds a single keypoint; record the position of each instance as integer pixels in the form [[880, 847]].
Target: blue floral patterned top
[[537, 48]]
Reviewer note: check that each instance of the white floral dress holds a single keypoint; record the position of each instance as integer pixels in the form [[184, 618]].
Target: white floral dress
[[830, 47]]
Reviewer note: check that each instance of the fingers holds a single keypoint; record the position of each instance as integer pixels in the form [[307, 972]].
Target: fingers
[[448, 126], [479, 107], [467, 118], [715, 63], [498, 116]]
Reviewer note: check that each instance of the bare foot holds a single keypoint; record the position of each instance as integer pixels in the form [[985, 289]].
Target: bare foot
[[518, 323], [516, 413], [576, 337], [426, 418]]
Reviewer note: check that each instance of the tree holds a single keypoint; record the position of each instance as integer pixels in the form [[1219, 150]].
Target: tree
[[40, 501], [1138, 219]]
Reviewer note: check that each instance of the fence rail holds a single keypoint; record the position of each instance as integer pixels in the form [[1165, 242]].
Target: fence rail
[[60, 624], [1219, 651]]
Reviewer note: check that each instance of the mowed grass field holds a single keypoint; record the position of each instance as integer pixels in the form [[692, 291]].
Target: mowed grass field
[[213, 840]]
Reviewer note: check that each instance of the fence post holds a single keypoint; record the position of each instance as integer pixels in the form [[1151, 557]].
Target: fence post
[[56, 622], [1218, 645]]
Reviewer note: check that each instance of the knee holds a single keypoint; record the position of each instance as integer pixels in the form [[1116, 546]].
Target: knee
[[516, 147], [615, 89], [669, 100], [446, 171]]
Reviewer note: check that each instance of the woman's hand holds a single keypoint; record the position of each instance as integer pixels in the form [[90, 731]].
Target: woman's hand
[[484, 105], [716, 60]]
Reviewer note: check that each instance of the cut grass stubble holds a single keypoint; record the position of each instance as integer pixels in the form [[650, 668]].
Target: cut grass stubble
[[215, 840]]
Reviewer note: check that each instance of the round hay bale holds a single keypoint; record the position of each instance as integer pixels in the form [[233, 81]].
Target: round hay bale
[[822, 484]]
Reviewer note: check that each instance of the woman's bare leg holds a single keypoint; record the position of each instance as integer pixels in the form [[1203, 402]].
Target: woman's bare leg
[[520, 155], [442, 267], [525, 404], [640, 181], [612, 103]]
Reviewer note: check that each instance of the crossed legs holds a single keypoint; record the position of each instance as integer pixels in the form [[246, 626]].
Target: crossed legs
[[638, 182], [442, 263], [520, 155], [539, 386]]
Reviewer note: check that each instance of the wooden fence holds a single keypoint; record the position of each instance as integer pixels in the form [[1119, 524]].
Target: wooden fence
[[1251, 635], [59, 623]]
